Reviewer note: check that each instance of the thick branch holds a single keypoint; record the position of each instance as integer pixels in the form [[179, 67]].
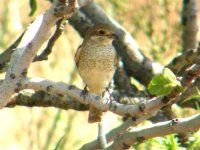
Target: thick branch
[[44, 55], [31, 98], [190, 24], [122, 82], [102, 104], [37, 33], [96, 101], [178, 125], [82, 3]]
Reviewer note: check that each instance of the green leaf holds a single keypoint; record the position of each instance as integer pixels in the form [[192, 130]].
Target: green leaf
[[171, 142], [33, 5], [163, 84]]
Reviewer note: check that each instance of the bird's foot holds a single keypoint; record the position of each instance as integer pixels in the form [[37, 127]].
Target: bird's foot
[[110, 99], [84, 93]]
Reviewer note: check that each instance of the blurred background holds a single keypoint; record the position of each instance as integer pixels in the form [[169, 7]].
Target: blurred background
[[155, 25]]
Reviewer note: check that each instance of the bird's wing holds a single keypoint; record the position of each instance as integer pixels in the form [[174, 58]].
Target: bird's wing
[[115, 59], [77, 55]]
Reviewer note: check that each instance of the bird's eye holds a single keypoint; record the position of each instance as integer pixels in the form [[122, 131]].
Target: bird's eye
[[101, 32]]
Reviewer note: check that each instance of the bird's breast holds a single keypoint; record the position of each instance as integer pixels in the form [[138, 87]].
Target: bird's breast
[[99, 58], [96, 65]]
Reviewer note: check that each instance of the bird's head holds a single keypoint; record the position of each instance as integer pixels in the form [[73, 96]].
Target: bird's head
[[101, 33]]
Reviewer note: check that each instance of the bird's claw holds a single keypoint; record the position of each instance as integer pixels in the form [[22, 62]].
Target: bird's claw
[[84, 93], [110, 99]]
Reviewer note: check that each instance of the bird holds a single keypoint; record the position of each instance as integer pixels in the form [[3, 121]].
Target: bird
[[95, 59]]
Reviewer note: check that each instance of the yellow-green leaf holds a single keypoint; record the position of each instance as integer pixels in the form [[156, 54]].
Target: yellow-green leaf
[[164, 83]]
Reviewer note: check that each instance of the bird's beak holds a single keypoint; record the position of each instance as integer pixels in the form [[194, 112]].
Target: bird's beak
[[113, 36]]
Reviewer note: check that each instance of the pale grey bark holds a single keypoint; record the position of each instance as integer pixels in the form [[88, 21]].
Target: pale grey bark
[[190, 24]]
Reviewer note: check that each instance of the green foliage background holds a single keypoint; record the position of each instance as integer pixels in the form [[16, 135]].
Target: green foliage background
[[154, 24]]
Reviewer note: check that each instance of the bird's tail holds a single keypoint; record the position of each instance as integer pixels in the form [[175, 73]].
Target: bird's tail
[[95, 115]]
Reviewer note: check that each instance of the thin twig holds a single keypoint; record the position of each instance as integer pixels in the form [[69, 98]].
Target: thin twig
[[58, 32], [101, 136], [5, 56], [181, 62]]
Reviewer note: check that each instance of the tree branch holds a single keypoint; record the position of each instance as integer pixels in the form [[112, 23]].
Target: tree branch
[[31, 98], [190, 91], [37, 33], [178, 125], [94, 100], [181, 62], [126, 126], [135, 64], [59, 29], [190, 24], [5, 56]]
